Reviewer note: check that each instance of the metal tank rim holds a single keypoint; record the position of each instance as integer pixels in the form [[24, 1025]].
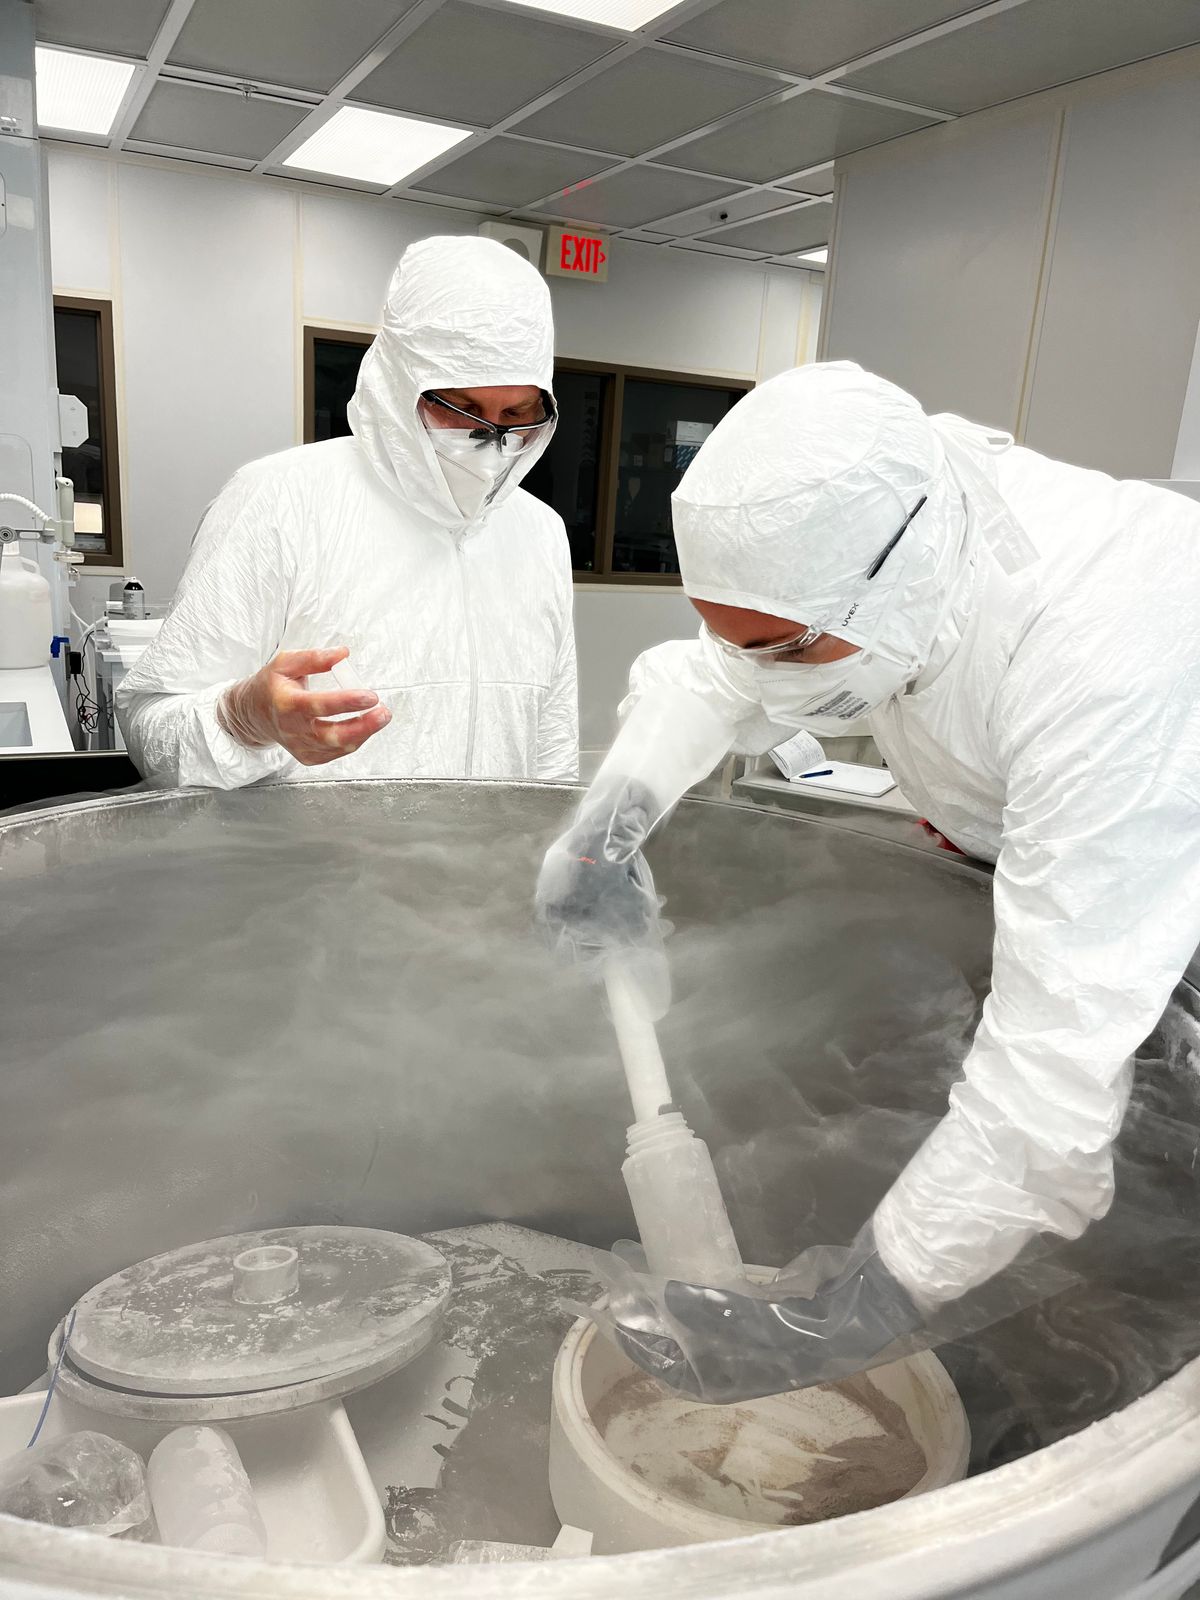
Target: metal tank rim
[[1139, 1464], [815, 808]]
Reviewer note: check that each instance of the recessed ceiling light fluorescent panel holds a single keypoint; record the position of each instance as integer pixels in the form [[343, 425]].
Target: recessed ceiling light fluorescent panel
[[79, 93], [624, 14], [373, 147]]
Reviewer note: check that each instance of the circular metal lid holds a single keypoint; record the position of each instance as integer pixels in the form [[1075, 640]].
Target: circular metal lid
[[259, 1311]]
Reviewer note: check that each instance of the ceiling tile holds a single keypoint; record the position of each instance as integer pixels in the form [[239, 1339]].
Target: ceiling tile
[[809, 128], [1034, 46], [810, 36], [306, 44], [508, 172], [118, 27], [645, 101], [814, 182], [193, 117], [469, 64], [736, 208], [639, 195], [694, 248], [777, 236]]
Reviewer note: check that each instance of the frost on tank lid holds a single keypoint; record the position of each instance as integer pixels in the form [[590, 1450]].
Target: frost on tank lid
[[260, 1310]]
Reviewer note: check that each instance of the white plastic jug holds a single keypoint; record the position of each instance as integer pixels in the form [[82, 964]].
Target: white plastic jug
[[24, 613]]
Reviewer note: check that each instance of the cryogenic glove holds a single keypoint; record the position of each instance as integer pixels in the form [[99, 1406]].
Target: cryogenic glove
[[723, 1345], [276, 707], [595, 894]]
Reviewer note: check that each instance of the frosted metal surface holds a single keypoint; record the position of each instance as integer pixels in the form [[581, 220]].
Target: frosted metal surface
[[330, 1006], [356, 960]]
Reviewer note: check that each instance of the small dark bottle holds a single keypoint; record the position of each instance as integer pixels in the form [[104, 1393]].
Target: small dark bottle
[[134, 599]]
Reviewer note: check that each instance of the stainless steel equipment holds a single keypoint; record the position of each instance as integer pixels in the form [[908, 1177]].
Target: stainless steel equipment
[[324, 1003]]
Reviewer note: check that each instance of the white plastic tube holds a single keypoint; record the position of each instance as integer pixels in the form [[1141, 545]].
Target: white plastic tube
[[645, 1072], [677, 1201], [201, 1495], [669, 1173]]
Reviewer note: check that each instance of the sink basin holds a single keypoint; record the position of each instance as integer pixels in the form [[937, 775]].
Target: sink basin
[[14, 725]]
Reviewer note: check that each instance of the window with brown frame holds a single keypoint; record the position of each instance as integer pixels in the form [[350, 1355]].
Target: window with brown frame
[[86, 367], [332, 357], [624, 437]]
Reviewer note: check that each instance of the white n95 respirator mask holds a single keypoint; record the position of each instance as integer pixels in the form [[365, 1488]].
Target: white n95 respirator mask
[[826, 695], [474, 469]]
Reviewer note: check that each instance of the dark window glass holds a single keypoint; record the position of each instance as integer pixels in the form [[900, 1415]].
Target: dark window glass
[[79, 361], [335, 364], [662, 427], [568, 474]]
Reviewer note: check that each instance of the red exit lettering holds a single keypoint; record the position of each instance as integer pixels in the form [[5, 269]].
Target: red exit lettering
[[579, 253]]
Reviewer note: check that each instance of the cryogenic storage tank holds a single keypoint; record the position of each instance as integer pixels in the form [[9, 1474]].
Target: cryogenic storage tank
[[324, 1005]]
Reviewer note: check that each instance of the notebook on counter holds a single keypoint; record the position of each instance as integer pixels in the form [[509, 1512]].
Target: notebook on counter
[[802, 762]]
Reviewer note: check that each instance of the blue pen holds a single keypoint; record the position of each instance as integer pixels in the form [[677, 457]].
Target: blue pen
[[822, 772]]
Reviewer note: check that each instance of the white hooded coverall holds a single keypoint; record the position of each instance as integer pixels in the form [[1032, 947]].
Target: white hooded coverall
[[464, 630], [1042, 620]]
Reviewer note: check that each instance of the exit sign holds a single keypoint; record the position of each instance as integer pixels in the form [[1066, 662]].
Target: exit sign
[[577, 253]]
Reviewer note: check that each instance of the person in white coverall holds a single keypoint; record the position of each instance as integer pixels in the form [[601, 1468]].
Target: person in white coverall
[[409, 547], [1021, 638]]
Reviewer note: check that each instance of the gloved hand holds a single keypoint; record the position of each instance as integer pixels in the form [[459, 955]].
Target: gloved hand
[[596, 898], [276, 707], [595, 894], [595, 891], [726, 1345]]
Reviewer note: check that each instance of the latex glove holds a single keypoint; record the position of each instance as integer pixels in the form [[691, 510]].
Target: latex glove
[[727, 1345], [275, 706]]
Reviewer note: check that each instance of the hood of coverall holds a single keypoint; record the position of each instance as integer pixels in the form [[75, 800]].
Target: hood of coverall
[[800, 488], [461, 313]]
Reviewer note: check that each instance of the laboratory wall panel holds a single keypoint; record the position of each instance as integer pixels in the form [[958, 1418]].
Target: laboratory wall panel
[[937, 254], [1122, 300]]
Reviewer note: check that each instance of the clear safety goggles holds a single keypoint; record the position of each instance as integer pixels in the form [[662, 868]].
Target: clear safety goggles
[[793, 647], [510, 438]]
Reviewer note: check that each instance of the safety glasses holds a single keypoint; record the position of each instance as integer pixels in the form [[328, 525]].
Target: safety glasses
[[510, 438], [765, 654], [789, 649]]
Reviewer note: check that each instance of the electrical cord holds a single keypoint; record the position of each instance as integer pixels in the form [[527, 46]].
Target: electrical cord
[[67, 1332], [87, 707]]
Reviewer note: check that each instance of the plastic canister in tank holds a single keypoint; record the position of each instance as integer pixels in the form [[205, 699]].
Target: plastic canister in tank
[[201, 1495]]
